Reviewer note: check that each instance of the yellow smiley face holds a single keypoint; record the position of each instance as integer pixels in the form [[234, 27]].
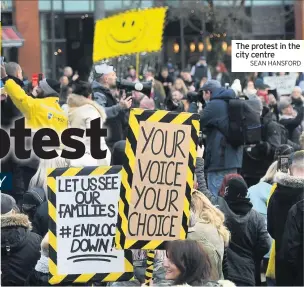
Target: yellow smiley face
[[126, 32]]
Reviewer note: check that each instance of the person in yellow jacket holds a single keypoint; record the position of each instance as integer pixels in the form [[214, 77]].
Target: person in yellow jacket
[[43, 111]]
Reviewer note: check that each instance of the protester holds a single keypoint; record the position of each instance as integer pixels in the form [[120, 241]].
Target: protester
[[200, 70], [208, 228], [19, 246], [105, 79], [9, 112], [187, 263], [289, 190], [82, 110], [291, 119], [249, 238], [179, 86], [39, 276], [222, 74], [158, 93], [237, 87], [165, 79], [41, 112], [221, 157], [187, 78], [291, 252], [259, 193], [249, 90]]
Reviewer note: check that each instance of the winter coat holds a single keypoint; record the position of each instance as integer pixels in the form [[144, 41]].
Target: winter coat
[[291, 253], [213, 244], [220, 155], [38, 112], [249, 242], [81, 112], [163, 80], [116, 117], [259, 195], [20, 249], [41, 219], [288, 192]]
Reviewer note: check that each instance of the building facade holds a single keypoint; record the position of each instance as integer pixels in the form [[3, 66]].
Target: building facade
[[45, 35]]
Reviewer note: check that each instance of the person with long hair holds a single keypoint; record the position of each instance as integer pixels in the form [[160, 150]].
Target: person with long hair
[[188, 263], [222, 74], [82, 110], [180, 86], [209, 229]]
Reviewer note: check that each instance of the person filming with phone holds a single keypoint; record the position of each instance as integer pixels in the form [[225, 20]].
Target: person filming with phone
[[105, 80]]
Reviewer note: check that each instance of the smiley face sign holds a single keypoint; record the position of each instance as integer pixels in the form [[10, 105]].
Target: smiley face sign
[[128, 33]]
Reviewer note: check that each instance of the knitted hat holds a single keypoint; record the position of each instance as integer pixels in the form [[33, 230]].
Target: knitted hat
[[236, 188], [7, 204], [118, 153], [49, 87], [255, 102], [283, 104]]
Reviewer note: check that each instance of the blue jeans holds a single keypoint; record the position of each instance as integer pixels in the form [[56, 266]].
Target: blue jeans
[[215, 179]]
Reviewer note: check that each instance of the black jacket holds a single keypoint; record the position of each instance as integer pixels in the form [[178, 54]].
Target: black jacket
[[40, 220], [20, 249], [297, 104], [289, 191], [115, 125], [249, 240], [291, 252], [291, 124]]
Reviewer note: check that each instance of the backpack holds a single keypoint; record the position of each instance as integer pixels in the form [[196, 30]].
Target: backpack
[[244, 123]]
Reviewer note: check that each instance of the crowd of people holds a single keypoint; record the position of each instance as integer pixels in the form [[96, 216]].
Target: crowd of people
[[246, 207]]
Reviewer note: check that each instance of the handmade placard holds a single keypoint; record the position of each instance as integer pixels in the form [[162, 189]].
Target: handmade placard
[[133, 31], [83, 206], [157, 179]]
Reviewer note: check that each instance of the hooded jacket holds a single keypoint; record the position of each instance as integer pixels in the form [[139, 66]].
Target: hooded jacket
[[220, 155], [116, 117], [80, 114], [39, 113], [249, 241], [20, 249], [289, 190]]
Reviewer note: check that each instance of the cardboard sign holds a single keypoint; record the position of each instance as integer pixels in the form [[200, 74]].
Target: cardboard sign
[[284, 84], [154, 204], [83, 206], [134, 31]]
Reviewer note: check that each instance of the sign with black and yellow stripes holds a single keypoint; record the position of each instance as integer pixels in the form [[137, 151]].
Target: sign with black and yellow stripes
[[83, 207], [157, 178]]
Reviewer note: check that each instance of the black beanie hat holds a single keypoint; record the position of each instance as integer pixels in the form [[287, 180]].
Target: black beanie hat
[[236, 188], [118, 153]]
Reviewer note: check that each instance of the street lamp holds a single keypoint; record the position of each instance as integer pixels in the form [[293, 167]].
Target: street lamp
[[224, 46], [192, 47], [200, 47], [175, 48]]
